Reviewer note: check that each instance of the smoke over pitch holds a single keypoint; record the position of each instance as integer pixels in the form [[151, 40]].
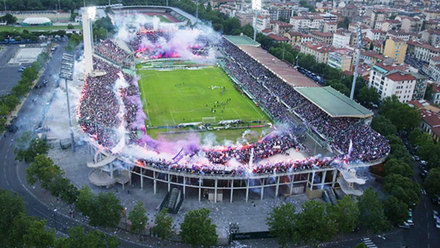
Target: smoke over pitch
[[152, 39]]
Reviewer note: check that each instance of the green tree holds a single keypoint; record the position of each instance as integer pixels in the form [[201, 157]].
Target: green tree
[[401, 115], [19, 228], [372, 216], [11, 206], [414, 135], [37, 236], [36, 147], [9, 19], [93, 239], [232, 24], [281, 223], [341, 88], [402, 188], [306, 60], [61, 187], [43, 170], [368, 96], [345, 214], [398, 150], [100, 34], [396, 166], [163, 225], [313, 226], [396, 211], [248, 30], [103, 210], [108, 210], [85, 202], [419, 138], [138, 218], [429, 91], [265, 41], [431, 183], [344, 23], [383, 126], [361, 245], [197, 229], [430, 153]]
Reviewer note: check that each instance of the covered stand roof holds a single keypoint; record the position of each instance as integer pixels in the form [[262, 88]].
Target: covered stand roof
[[281, 69], [333, 102], [241, 40]]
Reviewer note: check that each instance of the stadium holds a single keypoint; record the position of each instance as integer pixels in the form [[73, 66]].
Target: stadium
[[169, 101]]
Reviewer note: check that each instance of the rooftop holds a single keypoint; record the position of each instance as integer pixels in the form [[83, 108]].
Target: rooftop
[[241, 40], [319, 47], [278, 38], [323, 34], [280, 68], [400, 76], [333, 102], [372, 54], [424, 105], [281, 23]]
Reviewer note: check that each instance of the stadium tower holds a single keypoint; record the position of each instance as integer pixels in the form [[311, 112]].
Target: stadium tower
[[87, 18]]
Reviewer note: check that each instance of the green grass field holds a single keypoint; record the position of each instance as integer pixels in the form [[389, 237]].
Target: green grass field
[[163, 19], [35, 28], [182, 96]]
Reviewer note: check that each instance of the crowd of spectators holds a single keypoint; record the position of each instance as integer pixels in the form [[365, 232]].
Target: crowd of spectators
[[99, 108], [110, 50], [285, 166], [100, 105], [269, 146], [282, 100]]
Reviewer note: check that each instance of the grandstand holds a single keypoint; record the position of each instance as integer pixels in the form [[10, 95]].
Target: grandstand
[[111, 115]]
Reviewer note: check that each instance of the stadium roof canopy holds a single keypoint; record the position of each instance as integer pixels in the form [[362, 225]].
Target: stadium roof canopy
[[240, 40], [36, 21], [333, 102], [281, 69]]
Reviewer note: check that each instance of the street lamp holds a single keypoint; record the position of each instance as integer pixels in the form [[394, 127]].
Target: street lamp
[[66, 73]]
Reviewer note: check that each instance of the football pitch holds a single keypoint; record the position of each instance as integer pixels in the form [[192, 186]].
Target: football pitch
[[183, 96]]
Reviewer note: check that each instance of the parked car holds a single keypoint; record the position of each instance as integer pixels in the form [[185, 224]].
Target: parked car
[[404, 225]]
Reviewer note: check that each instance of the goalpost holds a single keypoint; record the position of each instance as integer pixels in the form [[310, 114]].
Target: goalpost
[[208, 120]]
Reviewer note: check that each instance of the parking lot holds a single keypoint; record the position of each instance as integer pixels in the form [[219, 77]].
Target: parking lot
[[9, 72]]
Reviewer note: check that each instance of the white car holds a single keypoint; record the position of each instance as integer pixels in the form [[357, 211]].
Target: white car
[[404, 225]]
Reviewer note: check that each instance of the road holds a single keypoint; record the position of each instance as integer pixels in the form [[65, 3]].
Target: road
[[13, 173], [424, 230]]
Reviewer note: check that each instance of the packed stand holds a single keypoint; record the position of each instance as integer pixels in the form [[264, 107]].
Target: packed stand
[[274, 95], [110, 50], [99, 108]]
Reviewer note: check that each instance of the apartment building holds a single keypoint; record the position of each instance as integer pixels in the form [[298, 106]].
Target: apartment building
[[318, 49], [396, 49]]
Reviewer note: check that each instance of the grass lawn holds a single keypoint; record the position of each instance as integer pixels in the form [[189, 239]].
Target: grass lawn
[[35, 28], [182, 96], [163, 19]]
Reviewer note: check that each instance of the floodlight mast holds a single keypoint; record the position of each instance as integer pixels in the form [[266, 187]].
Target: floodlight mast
[[66, 72], [358, 55], [88, 15]]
